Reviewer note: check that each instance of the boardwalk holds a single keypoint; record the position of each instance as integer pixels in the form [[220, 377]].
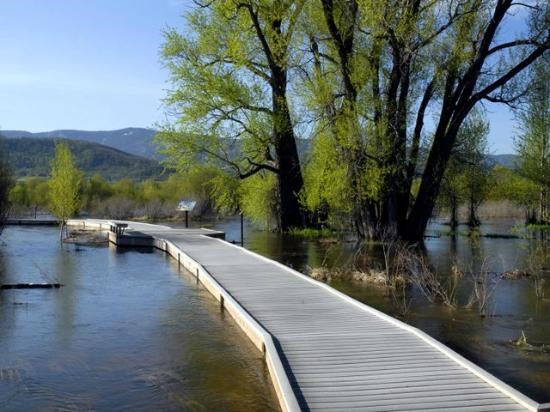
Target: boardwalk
[[326, 351]]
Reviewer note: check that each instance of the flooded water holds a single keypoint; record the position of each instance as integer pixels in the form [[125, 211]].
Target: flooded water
[[514, 306], [128, 331]]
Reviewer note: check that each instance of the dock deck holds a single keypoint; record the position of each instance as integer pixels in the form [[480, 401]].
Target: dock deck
[[326, 351]]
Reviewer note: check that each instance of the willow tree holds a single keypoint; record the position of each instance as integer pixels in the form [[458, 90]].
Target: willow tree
[[533, 141], [64, 186], [397, 62], [467, 174], [229, 104]]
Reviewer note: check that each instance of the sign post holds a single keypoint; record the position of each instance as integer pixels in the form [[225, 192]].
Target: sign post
[[186, 206]]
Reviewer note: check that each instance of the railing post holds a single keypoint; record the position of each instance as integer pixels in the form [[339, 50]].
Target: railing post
[[242, 229]]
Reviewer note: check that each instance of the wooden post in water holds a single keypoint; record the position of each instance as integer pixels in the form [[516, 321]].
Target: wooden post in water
[[242, 229]]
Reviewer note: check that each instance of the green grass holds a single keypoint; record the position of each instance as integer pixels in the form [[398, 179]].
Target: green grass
[[310, 233], [538, 226]]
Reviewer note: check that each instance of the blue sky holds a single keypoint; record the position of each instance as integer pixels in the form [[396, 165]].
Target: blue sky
[[94, 65], [83, 64]]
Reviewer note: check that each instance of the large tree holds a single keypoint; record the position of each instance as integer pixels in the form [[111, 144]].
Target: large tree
[[533, 141], [230, 73], [393, 63], [64, 186]]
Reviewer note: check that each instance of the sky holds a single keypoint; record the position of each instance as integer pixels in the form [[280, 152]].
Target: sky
[[83, 64], [95, 65]]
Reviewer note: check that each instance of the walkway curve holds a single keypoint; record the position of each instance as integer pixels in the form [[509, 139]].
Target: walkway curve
[[325, 350]]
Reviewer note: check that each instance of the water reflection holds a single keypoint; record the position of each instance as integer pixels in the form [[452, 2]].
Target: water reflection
[[128, 331]]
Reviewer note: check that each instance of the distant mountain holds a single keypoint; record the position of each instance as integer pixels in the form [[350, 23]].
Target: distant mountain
[[506, 160], [30, 156], [139, 141], [134, 140]]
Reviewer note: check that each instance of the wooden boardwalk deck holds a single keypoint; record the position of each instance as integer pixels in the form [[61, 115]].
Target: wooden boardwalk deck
[[326, 351]]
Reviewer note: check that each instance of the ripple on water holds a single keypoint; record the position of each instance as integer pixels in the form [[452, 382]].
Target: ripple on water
[[127, 332]]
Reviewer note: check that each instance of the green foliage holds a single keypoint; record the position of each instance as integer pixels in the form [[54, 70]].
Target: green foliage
[[64, 185], [29, 194], [358, 79], [311, 233], [224, 190], [325, 177], [507, 184], [95, 190], [219, 92], [212, 189], [467, 177], [258, 199], [533, 141], [230, 74]]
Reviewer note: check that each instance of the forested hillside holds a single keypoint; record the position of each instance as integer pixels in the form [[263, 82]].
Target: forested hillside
[[134, 140], [33, 156]]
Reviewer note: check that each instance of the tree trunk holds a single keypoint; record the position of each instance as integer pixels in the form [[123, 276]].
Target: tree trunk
[[290, 180], [61, 228], [421, 212], [541, 206], [450, 120], [473, 220], [453, 223], [546, 218]]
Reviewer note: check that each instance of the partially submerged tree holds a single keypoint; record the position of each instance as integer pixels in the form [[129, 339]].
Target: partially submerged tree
[[230, 99], [64, 186], [390, 64], [450, 195], [475, 178], [467, 174], [373, 70], [533, 141]]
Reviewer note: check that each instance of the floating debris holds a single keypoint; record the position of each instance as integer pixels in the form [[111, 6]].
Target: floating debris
[[86, 238], [31, 286], [514, 274], [522, 344]]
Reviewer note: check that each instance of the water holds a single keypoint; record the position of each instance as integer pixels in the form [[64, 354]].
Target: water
[[128, 331], [483, 340]]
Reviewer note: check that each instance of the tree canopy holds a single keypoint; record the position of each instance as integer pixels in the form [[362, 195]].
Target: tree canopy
[[64, 185], [381, 88], [533, 142]]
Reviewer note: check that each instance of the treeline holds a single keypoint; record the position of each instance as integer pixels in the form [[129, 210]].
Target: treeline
[[496, 192], [383, 89], [123, 199], [6, 182]]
